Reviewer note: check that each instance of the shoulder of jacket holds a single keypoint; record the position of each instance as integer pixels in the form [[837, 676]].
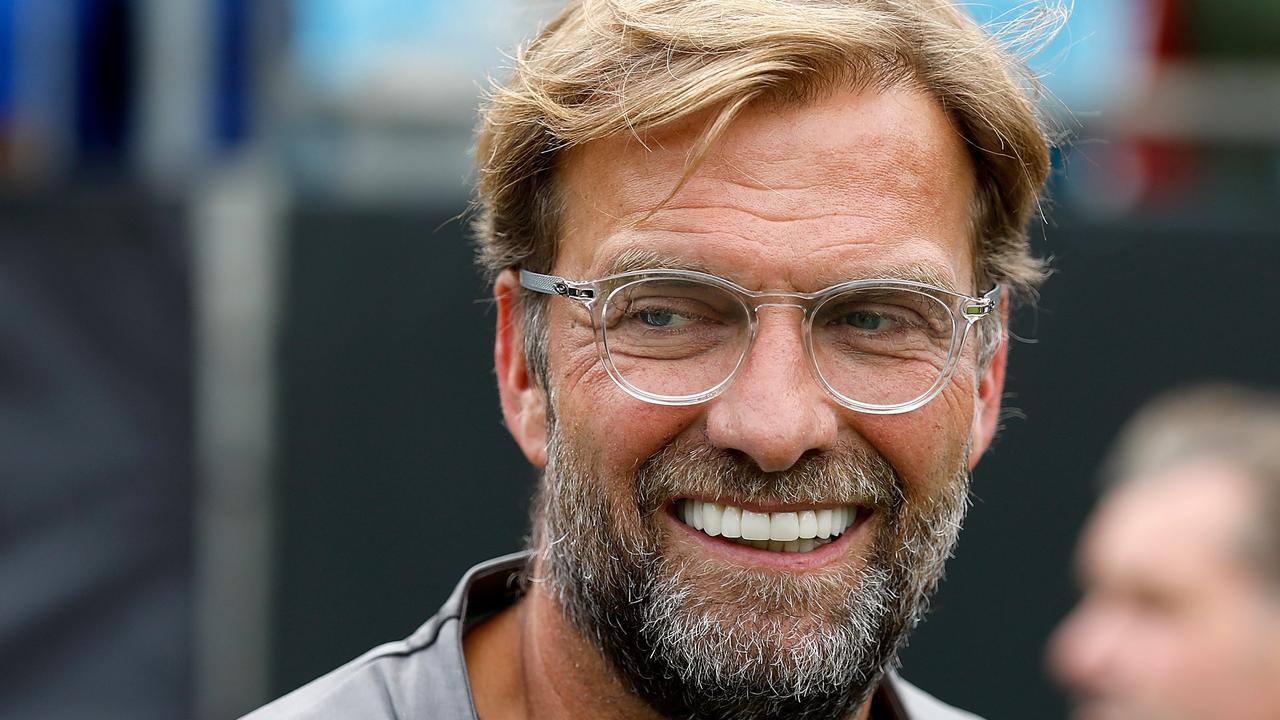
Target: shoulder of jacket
[[920, 705]]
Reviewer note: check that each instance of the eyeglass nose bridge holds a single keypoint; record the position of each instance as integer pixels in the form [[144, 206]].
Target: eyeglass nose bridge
[[782, 301], [757, 301], [755, 307]]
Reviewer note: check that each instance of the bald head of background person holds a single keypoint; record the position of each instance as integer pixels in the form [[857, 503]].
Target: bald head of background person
[[1180, 564]]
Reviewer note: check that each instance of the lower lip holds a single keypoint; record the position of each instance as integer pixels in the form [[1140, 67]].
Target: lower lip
[[747, 555]]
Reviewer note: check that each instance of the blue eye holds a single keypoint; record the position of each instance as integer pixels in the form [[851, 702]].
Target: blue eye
[[656, 318], [866, 320]]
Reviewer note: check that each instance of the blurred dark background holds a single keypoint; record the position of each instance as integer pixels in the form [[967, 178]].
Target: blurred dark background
[[248, 427]]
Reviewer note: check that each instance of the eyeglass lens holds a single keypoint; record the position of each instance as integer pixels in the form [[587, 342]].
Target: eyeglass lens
[[679, 338]]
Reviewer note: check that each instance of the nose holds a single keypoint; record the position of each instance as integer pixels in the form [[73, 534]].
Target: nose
[[774, 411], [1083, 651]]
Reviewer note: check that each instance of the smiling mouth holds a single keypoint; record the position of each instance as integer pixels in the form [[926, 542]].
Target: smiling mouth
[[794, 531]]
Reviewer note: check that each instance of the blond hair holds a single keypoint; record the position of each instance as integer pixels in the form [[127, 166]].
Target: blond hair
[[603, 68]]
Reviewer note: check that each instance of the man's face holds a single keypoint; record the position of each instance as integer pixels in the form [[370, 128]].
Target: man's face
[[1173, 624], [797, 199]]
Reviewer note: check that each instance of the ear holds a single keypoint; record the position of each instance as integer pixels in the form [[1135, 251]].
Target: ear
[[524, 406], [986, 412]]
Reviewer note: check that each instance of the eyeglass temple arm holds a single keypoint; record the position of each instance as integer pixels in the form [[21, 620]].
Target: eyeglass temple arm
[[553, 285]]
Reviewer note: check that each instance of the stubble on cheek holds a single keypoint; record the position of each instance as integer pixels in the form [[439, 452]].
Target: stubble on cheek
[[610, 533], [728, 637]]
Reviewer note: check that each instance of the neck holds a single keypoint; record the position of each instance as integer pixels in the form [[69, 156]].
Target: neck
[[530, 662]]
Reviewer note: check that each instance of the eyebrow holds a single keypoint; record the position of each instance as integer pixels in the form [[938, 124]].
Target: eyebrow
[[634, 259], [916, 272]]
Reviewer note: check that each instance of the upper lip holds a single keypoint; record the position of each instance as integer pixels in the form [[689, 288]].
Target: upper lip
[[770, 507]]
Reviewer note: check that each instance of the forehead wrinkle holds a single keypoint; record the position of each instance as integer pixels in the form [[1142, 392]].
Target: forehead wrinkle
[[838, 170], [756, 212], [884, 197], [809, 271], [633, 259], [784, 189]]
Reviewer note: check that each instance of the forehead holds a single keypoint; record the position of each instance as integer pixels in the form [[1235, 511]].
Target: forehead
[[1178, 530], [855, 184]]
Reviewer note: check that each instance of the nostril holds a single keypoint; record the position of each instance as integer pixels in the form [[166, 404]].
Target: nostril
[[771, 444], [777, 459], [765, 472], [739, 457], [766, 475]]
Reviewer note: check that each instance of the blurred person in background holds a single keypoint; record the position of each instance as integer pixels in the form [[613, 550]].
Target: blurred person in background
[[751, 265], [1180, 618]]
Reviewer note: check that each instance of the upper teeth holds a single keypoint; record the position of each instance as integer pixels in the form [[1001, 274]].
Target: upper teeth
[[734, 522]]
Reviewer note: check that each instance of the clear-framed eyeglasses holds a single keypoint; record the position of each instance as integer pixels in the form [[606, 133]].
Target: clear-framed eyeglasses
[[679, 337]]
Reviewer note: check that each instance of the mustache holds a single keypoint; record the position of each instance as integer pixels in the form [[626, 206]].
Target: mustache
[[843, 475]]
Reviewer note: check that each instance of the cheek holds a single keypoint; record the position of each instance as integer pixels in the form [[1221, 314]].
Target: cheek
[[581, 386], [1244, 652], [622, 431], [615, 430], [926, 446], [617, 436], [1185, 658]]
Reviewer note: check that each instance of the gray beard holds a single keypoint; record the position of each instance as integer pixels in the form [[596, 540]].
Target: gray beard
[[698, 638]]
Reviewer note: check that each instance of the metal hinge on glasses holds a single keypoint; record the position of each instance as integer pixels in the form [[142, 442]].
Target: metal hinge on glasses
[[984, 305], [563, 288], [553, 285]]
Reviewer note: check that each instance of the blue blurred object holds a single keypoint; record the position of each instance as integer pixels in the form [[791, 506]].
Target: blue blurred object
[[104, 81], [232, 72], [1096, 59], [7, 51], [337, 41], [338, 44], [82, 82], [38, 66]]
